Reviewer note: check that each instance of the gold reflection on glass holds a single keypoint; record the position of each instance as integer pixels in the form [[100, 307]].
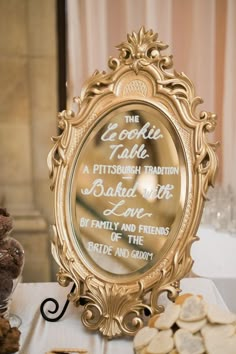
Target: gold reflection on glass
[[127, 200]]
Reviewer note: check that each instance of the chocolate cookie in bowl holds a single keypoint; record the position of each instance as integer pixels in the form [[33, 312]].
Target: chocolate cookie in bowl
[[9, 337], [11, 262], [6, 286]]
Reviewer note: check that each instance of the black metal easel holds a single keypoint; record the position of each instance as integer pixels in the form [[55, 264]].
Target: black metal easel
[[51, 299]]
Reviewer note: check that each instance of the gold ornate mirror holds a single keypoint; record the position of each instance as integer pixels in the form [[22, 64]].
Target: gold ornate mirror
[[130, 172]]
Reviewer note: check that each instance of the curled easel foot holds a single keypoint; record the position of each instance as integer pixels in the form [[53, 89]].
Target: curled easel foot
[[55, 310]]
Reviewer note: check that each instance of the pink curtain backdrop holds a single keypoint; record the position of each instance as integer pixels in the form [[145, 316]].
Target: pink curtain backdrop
[[201, 35]]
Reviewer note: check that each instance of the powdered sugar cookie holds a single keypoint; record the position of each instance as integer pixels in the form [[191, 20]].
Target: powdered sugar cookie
[[162, 343], [143, 337], [141, 351], [219, 330], [168, 317], [187, 343], [192, 327], [193, 309], [218, 345], [167, 332], [152, 320], [181, 298], [215, 314]]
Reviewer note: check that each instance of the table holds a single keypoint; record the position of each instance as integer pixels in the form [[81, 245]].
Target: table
[[214, 258], [39, 336], [214, 255]]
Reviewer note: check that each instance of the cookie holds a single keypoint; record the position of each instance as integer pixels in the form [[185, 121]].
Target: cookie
[[168, 317], [181, 298], [215, 314], [144, 337], [187, 343], [162, 343], [192, 327], [193, 309], [220, 331], [152, 320], [218, 345]]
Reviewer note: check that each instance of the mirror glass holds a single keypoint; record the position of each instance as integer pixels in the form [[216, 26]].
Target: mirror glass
[[128, 190]]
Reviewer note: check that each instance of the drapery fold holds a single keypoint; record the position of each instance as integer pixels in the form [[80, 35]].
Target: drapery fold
[[200, 34], [229, 98]]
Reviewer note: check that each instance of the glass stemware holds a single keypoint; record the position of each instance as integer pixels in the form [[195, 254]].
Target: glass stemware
[[220, 210]]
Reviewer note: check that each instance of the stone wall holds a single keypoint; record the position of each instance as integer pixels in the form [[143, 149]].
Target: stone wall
[[28, 110]]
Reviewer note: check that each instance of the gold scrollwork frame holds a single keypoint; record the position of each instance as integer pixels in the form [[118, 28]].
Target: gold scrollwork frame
[[141, 72]]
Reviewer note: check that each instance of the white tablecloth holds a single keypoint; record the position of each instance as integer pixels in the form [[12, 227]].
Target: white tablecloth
[[214, 257], [214, 254], [39, 336]]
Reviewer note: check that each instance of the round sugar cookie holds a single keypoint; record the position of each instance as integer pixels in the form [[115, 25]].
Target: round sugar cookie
[[162, 343], [152, 320], [143, 337], [168, 317], [218, 330], [187, 343], [193, 309], [216, 314], [193, 326]]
